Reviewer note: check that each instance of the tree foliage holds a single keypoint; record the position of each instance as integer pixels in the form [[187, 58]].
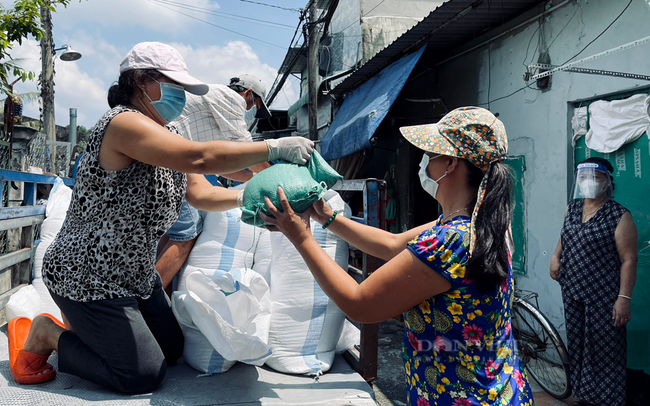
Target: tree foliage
[[16, 24]]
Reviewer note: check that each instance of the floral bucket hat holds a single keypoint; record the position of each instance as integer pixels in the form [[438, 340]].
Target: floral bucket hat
[[470, 133]]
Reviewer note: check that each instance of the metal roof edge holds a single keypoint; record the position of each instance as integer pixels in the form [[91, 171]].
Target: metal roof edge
[[436, 21]]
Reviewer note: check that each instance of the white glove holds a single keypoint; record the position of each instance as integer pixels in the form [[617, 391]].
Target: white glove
[[292, 149]]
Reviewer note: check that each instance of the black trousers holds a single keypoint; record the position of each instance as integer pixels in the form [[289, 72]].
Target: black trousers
[[123, 344], [598, 353]]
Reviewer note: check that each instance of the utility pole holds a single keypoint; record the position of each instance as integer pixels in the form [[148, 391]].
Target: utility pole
[[312, 72], [47, 82], [47, 74]]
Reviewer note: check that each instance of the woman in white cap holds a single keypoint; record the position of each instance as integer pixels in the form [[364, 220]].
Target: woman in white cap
[[128, 191], [451, 278]]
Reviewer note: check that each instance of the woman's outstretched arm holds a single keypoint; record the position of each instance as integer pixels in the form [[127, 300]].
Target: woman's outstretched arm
[[400, 284], [374, 241]]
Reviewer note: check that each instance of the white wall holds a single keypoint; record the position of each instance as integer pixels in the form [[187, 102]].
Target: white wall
[[537, 121], [383, 21]]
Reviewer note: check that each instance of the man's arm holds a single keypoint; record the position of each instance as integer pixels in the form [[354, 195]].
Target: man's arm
[[246, 174]]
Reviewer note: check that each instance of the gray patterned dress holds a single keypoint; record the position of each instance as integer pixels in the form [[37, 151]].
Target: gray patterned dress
[[590, 277], [106, 248]]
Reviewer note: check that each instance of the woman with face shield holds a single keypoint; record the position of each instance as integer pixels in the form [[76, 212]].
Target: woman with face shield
[[121, 332], [451, 278], [595, 264]]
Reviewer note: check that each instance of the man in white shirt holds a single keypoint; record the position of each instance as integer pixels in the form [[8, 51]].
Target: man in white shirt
[[219, 115]]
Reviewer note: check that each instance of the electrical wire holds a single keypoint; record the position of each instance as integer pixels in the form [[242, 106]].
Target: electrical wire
[[489, 59], [599, 35], [295, 10], [354, 22], [528, 86], [566, 25], [273, 92], [528, 47], [224, 15], [373, 9], [215, 25]]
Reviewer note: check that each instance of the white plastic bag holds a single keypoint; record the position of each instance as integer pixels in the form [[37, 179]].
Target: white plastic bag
[[350, 336], [225, 318], [615, 123], [24, 303]]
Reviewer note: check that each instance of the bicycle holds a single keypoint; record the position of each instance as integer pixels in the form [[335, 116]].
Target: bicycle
[[540, 346]]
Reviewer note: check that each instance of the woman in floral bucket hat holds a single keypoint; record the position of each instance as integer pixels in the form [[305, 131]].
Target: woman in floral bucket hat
[[451, 278]]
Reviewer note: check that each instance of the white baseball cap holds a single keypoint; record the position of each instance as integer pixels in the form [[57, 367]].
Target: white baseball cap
[[166, 60], [251, 82]]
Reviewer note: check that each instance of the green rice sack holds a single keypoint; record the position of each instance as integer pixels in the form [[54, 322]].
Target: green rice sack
[[303, 184]]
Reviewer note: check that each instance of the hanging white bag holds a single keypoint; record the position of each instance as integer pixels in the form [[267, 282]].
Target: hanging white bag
[[225, 318]]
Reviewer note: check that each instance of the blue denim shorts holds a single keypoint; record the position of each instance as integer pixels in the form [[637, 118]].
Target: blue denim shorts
[[188, 226]]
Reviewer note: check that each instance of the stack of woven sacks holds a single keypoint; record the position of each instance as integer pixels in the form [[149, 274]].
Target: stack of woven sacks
[[246, 295]]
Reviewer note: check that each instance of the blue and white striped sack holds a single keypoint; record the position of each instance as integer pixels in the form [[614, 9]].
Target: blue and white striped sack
[[225, 318], [226, 243], [305, 324]]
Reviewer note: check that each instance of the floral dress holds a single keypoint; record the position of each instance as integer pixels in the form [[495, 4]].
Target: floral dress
[[458, 346]]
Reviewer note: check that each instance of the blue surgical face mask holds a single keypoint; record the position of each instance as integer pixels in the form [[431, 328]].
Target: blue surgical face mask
[[171, 103]]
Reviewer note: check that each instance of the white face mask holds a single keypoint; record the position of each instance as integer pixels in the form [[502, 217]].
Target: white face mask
[[428, 184], [250, 116], [592, 189]]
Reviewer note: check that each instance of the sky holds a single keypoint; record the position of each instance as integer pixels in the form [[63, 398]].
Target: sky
[[253, 39]]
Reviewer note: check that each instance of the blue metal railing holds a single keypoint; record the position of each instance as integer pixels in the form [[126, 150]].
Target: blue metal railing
[[30, 182]]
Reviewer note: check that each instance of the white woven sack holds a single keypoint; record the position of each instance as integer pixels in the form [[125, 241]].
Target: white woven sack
[[226, 243], [305, 323], [55, 212], [225, 318], [199, 353]]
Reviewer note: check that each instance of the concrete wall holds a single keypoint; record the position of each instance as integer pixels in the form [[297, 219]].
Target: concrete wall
[[537, 122], [345, 33], [385, 21], [361, 28]]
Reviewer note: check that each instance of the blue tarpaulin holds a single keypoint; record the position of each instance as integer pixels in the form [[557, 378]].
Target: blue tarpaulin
[[365, 108]]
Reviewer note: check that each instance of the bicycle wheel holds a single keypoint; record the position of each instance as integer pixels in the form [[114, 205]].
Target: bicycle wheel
[[541, 349]]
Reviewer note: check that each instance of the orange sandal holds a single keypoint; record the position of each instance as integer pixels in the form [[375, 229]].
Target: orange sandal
[[26, 367], [54, 319]]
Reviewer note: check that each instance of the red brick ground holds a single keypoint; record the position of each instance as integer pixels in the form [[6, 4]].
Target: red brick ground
[[544, 399]]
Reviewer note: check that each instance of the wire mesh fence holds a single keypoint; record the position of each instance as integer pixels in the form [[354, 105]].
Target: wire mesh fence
[[38, 155], [47, 155]]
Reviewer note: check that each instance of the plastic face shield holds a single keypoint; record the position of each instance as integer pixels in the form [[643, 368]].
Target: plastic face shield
[[592, 182]]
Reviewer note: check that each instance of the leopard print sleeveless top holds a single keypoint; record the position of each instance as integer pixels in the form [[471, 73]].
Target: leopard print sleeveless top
[[107, 246]]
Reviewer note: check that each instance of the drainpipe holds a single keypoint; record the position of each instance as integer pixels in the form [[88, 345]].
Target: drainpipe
[[72, 130]]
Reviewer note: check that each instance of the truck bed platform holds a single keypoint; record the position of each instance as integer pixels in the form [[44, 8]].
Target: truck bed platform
[[241, 385]]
